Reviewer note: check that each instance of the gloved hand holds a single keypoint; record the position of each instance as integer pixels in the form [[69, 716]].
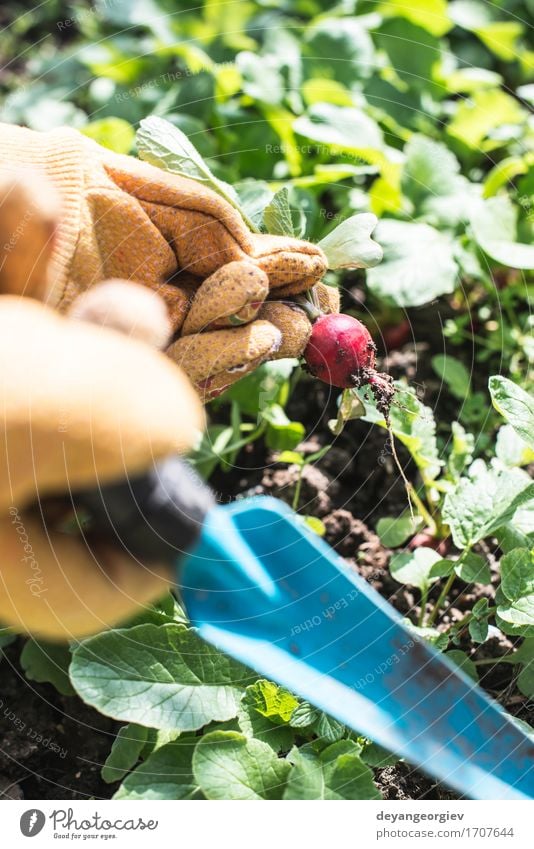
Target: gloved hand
[[125, 218], [83, 406]]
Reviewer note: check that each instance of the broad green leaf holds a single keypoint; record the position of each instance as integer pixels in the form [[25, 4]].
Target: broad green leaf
[[340, 49], [48, 662], [412, 423], [516, 405], [261, 77], [262, 388], [344, 128], [478, 507], [473, 569], [113, 133], [259, 715], [167, 147], [271, 700], [453, 372], [482, 112], [229, 765], [413, 567], [519, 613], [414, 55], [377, 757], [161, 676], [394, 531], [510, 449], [166, 774], [517, 573], [430, 169], [432, 15], [207, 453], [494, 225], [350, 245], [282, 434], [277, 215], [337, 772], [254, 196], [125, 751], [418, 264]]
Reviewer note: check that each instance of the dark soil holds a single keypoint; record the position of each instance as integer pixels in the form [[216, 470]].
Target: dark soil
[[33, 770]]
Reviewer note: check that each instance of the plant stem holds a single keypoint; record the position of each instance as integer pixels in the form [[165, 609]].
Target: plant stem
[[298, 487], [424, 600], [441, 598], [421, 509]]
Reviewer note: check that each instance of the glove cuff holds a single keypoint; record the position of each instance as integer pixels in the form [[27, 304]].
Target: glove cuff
[[58, 156]]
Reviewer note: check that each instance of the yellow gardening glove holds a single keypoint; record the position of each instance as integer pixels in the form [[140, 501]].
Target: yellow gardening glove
[[127, 219], [82, 406]]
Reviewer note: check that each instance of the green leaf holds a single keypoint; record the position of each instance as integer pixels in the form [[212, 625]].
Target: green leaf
[[418, 264], [473, 569], [515, 405], [113, 133], [377, 757], [166, 774], [125, 751], [277, 215], [47, 662], [349, 245], [265, 386], [494, 225], [430, 170], [254, 196], [271, 700], [261, 77], [432, 15], [343, 128], [161, 676], [339, 48], [414, 55], [485, 110], [229, 765], [478, 626], [510, 449], [273, 728], [478, 507], [517, 573], [394, 531], [412, 423], [337, 772], [464, 662], [414, 567], [454, 374], [167, 147]]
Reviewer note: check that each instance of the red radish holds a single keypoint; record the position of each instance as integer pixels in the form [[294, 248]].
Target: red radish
[[341, 352]]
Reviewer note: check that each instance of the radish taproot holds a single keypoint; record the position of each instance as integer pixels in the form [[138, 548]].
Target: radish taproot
[[341, 352]]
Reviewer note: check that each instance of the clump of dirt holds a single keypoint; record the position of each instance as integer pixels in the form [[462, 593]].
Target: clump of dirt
[[401, 782]]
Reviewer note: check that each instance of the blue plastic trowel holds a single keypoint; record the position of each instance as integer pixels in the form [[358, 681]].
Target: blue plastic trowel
[[265, 590]]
